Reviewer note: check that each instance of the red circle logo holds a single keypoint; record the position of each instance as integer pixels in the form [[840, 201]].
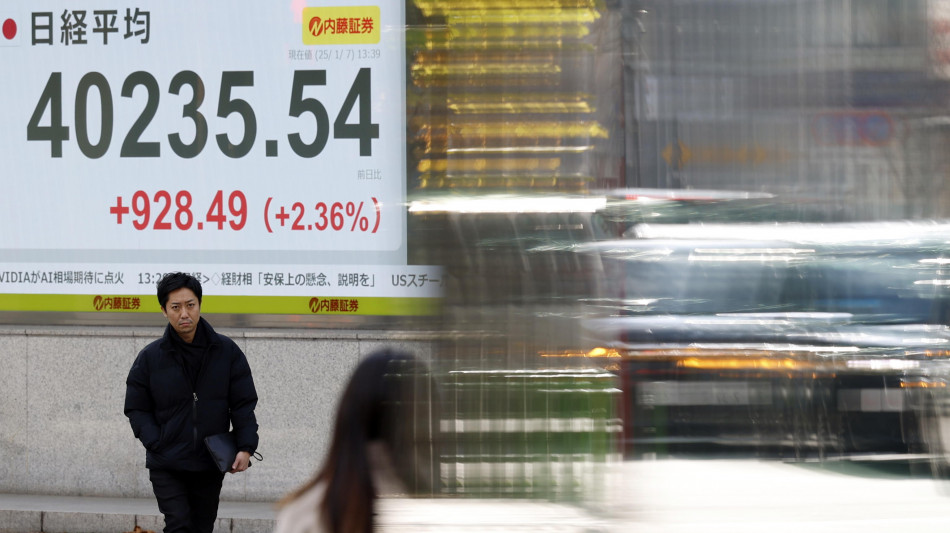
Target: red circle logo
[[9, 29], [316, 26]]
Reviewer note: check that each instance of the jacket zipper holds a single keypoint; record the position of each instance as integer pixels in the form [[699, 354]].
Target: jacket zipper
[[194, 419]]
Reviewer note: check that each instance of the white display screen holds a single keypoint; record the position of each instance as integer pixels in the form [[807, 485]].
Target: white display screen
[[261, 146]]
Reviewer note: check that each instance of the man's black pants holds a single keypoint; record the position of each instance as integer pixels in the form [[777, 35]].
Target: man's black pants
[[189, 500]]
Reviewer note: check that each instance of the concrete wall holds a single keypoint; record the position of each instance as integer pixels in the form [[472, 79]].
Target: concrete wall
[[63, 432]]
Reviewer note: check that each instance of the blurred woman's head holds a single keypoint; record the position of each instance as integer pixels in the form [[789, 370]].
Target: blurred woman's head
[[389, 401]]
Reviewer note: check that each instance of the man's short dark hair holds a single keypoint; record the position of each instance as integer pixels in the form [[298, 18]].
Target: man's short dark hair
[[175, 280]]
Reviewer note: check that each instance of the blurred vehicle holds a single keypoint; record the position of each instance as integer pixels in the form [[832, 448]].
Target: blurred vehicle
[[545, 433], [512, 425], [509, 263], [792, 340], [626, 209]]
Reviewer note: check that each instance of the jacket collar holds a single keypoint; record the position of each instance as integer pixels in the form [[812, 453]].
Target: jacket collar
[[204, 325]]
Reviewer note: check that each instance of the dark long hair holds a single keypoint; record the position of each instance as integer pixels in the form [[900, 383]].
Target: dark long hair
[[388, 399]]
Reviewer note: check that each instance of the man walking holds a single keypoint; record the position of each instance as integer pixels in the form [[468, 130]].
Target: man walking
[[189, 384]]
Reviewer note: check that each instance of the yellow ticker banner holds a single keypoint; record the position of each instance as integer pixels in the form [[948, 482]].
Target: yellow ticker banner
[[286, 305]]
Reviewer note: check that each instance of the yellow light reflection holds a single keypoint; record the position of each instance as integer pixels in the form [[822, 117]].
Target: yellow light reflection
[[483, 75], [520, 104], [595, 353], [427, 71], [743, 363], [496, 60], [441, 7], [923, 385], [523, 149], [515, 34], [512, 164], [521, 16], [532, 129]]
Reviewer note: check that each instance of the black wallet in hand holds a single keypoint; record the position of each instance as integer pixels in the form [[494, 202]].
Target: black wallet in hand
[[223, 450]]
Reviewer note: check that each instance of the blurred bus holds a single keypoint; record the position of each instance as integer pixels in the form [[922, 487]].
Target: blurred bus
[[796, 340]]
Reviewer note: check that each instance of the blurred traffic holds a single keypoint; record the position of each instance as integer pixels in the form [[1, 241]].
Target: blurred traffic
[[684, 230], [780, 340]]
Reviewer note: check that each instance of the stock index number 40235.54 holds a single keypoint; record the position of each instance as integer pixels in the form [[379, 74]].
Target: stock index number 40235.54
[[56, 132]]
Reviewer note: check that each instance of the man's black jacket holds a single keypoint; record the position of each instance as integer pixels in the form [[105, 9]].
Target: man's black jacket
[[172, 418]]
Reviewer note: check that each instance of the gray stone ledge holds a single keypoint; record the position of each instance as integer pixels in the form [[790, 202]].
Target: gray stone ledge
[[20, 521]]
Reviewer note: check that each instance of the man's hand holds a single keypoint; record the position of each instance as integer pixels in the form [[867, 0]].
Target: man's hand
[[241, 462]]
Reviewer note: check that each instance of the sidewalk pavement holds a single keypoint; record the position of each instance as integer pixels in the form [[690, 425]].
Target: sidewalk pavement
[[23, 513], [27, 513], [665, 496]]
